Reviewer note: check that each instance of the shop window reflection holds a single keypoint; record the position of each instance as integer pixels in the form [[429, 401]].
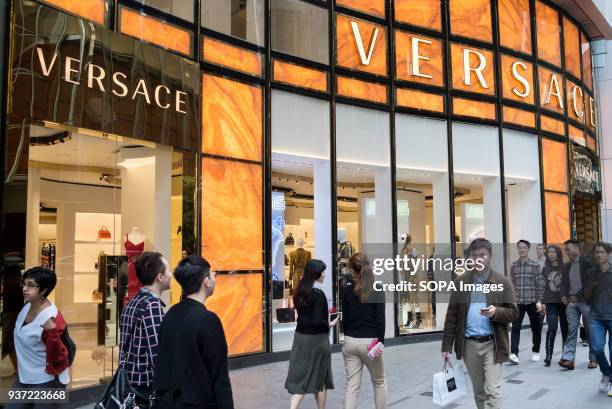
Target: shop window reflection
[[238, 18]]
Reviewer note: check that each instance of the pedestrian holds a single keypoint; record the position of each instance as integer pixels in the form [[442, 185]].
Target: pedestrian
[[574, 280], [12, 303], [599, 295], [541, 255], [140, 322], [42, 357], [555, 309], [191, 370], [529, 286], [310, 360], [363, 316], [476, 325]]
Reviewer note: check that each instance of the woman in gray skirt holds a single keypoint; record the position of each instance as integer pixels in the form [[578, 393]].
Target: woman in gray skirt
[[310, 362]]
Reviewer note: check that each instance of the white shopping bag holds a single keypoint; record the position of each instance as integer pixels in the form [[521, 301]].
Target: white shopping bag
[[449, 384]]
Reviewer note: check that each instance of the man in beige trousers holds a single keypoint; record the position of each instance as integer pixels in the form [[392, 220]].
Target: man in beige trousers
[[477, 325]]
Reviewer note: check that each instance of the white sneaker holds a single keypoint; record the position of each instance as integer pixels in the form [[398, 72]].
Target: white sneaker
[[610, 391], [604, 384], [513, 359], [535, 357]]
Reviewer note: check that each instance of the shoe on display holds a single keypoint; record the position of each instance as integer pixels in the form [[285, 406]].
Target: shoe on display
[[592, 365], [569, 365], [535, 357], [513, 359], [604, 384]]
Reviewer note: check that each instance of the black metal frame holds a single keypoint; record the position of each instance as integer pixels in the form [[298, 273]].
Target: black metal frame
[[391, 82]]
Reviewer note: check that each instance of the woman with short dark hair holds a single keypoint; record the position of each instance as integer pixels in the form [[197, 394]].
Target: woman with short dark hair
[[42, 357], [310, 361]]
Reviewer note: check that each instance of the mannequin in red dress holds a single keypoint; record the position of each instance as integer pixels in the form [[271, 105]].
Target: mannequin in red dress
[[134, 246]]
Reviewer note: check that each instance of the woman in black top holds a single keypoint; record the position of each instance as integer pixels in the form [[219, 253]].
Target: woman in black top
[[555, 309], [363, 316], [310, 361]]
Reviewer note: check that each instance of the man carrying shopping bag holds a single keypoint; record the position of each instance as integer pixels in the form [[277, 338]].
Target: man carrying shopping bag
[[477, 325]]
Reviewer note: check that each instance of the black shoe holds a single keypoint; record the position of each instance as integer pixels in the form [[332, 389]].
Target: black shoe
[[548, 359]]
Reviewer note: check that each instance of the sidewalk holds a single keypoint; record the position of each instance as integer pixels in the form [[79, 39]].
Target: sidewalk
[[409, 371]]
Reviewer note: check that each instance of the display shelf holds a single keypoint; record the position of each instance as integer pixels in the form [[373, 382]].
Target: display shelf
[[97, 242]]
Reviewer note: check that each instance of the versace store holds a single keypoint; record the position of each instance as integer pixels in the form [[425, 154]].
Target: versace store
[[263, 133]]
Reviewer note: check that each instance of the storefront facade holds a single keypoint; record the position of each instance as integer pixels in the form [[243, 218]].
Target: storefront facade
[[260, 134]]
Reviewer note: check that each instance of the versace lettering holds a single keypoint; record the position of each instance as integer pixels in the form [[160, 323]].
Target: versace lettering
[[95, 75]]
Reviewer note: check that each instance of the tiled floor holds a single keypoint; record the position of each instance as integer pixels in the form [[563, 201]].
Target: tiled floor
[[410, 368]]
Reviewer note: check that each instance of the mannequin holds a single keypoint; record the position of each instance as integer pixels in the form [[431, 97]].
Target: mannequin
[[297, 262], [134, 246], [410, 299], [345, 251]]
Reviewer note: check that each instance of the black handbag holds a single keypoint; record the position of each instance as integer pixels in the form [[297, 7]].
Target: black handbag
[[289, 241], [119, 394]]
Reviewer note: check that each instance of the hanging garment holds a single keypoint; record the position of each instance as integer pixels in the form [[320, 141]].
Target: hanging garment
[[297, 262]]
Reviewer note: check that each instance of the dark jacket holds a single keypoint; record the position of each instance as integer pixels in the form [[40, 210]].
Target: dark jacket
[[362, 319], [506, 311], [313, 315], [585, 267], [191, 366]]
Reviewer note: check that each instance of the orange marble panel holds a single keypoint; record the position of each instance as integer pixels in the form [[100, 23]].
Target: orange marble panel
[[571, 44], [411, 98], [519, 117], [557, 217], [220, 53], [94, 10], [238, 301], [552, 125], [515, 25], [547, 23], [347, 51], [577, 135], [551, 91], [430, 58], [513, 88], [592, 143], [476, 109], [155, 31], [354, 88], [299, 76], [422, 13], [471, 18], [232, 214], [232, 120], [471, 81], [587, 73], [575, 101], [554, 165], [373, 7]]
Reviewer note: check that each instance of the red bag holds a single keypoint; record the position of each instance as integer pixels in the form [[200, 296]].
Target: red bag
[[104, 233]]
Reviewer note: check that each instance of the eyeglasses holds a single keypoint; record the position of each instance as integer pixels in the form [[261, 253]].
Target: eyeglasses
[[29, 285]]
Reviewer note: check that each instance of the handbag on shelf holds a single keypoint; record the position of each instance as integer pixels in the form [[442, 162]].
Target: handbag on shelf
[[289, 241], [104, 233]]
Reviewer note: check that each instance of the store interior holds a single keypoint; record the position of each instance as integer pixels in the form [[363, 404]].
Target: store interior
[[94, 203]]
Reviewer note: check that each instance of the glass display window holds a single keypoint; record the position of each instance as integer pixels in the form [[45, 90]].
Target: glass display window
[[91, 205], [301, 203], [236, 18]]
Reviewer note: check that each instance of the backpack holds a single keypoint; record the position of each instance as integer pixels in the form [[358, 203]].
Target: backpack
[[70, 345]]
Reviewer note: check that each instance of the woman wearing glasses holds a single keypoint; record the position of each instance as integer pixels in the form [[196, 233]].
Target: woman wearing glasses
[[42, 357]]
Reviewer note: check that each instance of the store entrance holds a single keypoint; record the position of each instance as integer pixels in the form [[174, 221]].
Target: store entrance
[[586, 218], [92, 204]]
